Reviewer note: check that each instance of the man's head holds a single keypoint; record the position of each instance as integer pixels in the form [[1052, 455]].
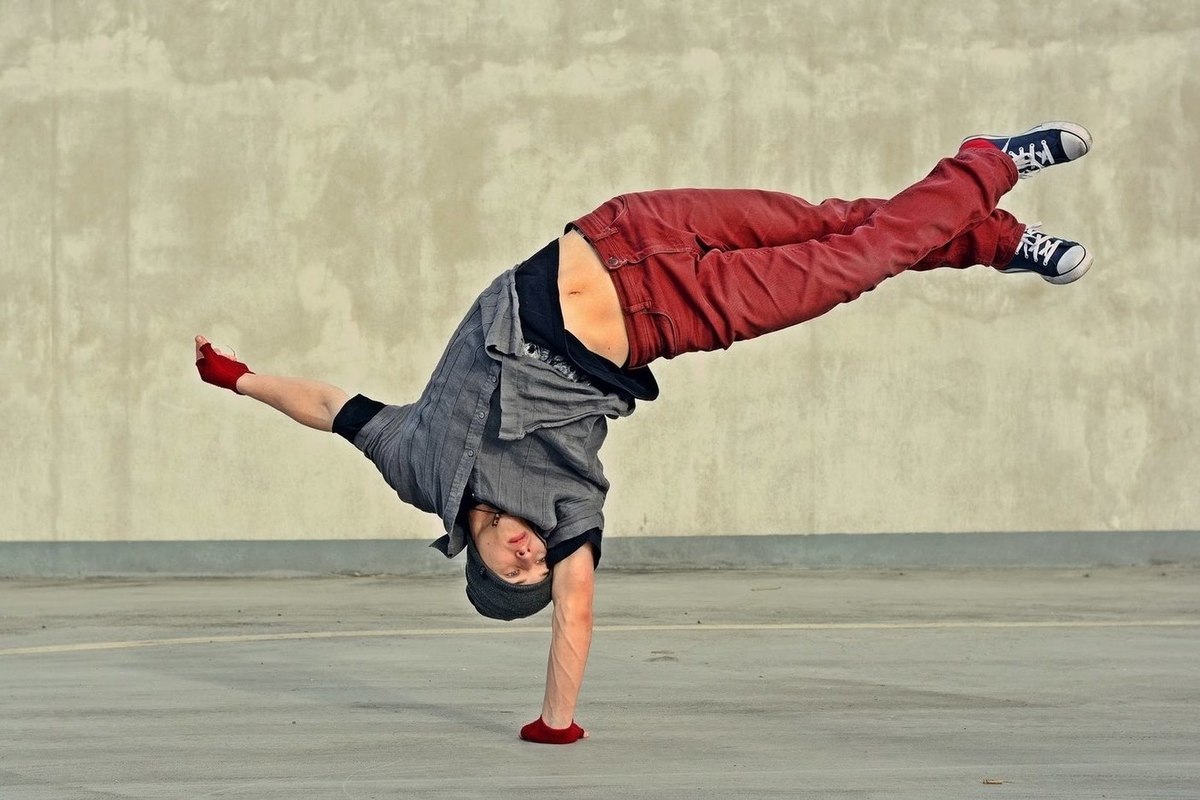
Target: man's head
[[507, 576]]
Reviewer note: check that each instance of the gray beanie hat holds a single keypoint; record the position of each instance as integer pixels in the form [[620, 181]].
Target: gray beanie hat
[[495, 597]]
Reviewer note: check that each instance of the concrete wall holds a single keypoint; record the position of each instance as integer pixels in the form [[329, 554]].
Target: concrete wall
[[324, 187]]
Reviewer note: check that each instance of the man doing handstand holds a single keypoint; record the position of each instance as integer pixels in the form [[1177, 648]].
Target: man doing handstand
[[503, 442]]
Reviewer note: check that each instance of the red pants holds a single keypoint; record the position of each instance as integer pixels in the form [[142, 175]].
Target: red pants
[[699, 269]]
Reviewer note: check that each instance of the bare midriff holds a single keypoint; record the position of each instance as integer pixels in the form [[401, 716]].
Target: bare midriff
[[590, 307]]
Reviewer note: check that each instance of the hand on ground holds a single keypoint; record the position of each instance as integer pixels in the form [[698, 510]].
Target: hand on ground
[[538, 731]]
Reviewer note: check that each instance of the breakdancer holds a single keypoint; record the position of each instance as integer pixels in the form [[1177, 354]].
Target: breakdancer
[[503, 442]]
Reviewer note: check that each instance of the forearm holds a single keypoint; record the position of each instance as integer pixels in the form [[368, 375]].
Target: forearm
[[570, 642], [571, 636], [310, 403]]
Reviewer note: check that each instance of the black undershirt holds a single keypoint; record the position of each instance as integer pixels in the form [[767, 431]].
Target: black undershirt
[[542, 323]]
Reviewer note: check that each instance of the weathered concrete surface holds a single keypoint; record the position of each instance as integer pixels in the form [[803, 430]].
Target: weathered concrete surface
[[325, 186], [1062, 684]]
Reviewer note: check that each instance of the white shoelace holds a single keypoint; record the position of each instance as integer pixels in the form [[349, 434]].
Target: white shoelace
[[1037, 246], [1030, 159]]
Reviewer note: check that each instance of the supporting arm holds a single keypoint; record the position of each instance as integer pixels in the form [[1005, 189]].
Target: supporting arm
[[570, 638]]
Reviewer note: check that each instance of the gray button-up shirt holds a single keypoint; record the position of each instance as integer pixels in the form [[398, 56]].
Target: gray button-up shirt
[[530, 448]]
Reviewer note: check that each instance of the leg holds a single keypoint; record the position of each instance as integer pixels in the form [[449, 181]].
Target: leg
[[734, 219], [680, 296], [737, 219], [310, 403], [991, 243], [949, 218]]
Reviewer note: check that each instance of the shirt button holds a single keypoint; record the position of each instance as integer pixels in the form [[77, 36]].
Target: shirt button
[[471, 453], [613, 261], [480, 415]]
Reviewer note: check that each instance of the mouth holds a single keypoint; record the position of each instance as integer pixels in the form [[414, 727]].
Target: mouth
[[518, 539]]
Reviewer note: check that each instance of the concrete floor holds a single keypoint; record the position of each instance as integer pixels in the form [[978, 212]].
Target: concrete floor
[[846, 684]]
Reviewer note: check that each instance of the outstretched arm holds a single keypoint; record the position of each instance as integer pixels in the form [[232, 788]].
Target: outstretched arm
[[570, 640], [310, 403]]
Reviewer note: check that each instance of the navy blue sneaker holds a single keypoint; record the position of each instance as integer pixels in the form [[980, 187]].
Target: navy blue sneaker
[[1042, 146], [1056, 260]]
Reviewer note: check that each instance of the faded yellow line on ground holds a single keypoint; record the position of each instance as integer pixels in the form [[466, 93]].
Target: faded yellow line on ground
[[131, 644]]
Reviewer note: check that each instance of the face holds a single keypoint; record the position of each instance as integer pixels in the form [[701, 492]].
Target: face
[[509, 546]]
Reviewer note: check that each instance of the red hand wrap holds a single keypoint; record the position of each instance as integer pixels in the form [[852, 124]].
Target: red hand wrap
[[538, 731], [220, 370]]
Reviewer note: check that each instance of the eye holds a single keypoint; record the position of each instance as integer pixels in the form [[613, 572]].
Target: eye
[[542, 560]]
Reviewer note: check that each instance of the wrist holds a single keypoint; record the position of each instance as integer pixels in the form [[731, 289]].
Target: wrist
[[241, 385], [556, 721]]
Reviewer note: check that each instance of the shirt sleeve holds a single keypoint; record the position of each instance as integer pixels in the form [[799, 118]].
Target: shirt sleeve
[[561, 550]]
